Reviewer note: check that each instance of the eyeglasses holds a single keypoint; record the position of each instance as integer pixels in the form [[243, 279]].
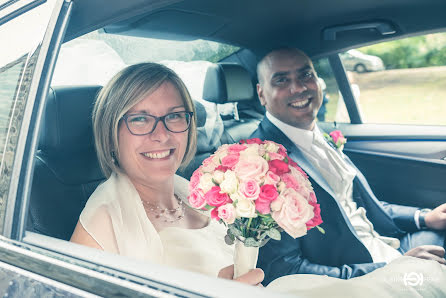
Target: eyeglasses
[[143, 124]]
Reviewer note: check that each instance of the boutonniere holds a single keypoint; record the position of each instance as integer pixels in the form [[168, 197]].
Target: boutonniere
[[336, 139]]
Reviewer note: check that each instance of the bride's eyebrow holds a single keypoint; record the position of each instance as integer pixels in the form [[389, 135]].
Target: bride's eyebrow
[[171, 109]]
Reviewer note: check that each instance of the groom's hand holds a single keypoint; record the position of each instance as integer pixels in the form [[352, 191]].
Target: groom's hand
[[253, 277], [428, 252], [436, 219]]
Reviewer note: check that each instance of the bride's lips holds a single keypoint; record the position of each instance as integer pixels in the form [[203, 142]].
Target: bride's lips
[[158, 154]]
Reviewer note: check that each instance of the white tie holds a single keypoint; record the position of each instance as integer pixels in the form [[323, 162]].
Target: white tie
[[338, 173]]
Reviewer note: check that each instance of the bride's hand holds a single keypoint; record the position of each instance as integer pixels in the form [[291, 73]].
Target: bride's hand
[[428, 252], [253, 277]]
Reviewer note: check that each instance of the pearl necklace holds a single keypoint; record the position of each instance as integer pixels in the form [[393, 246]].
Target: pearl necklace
[[169, 215]]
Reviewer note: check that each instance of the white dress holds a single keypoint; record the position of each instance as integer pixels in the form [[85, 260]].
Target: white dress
[[115, 217]]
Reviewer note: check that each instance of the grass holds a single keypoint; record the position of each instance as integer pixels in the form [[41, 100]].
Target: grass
[[399, 96]]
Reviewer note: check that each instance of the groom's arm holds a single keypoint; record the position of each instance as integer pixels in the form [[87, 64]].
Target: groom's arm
[[280, 258]]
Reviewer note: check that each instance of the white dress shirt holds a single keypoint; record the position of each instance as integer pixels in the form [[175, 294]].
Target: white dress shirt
[[339, 176]]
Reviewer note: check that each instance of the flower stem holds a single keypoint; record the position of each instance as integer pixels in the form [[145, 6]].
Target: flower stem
[[247, 227]]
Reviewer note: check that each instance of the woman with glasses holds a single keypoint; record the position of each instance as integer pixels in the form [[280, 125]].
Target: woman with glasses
[[144, 129]]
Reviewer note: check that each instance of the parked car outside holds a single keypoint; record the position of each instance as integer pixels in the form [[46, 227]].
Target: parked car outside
[[354, 60]]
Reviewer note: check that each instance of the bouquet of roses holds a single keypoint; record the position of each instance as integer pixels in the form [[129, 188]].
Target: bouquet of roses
[[257, 191]]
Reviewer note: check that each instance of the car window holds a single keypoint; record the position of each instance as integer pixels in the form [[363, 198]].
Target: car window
[[400, 82], [17, 62], [333, 107], [94, 58]]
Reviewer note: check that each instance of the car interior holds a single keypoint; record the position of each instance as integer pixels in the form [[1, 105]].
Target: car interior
[[320, 28], [404, 164]]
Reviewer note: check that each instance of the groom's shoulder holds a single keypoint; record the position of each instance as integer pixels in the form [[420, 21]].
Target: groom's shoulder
[[261, 132]]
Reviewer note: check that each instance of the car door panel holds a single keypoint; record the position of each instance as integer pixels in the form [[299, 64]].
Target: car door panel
[[403, 164]]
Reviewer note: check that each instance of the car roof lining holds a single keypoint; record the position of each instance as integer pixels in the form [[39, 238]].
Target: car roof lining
[[249, 24]]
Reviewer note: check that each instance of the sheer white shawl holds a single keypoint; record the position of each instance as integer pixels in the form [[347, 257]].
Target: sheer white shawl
[[115, 217]]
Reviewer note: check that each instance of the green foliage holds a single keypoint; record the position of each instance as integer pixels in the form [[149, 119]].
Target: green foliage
[[419, 51]]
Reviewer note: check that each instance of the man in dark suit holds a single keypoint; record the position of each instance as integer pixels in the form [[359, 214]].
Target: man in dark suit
[[362, 233]]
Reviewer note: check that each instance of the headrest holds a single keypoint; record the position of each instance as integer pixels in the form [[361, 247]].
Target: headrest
[[200, 114], [226, 82], [66, 123]]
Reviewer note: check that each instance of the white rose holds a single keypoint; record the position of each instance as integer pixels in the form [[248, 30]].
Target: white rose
[[245, 208], [281, 186], [252, 150], [229, 184], [271, 147], [220, 153], [206, 182], [218, 176], [236, 196]]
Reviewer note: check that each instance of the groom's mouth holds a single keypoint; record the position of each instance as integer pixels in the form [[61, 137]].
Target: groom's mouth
[[301, 104]]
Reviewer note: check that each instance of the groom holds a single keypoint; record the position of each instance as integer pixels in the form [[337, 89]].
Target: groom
[[362, 233]]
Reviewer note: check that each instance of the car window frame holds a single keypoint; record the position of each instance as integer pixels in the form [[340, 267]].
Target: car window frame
[[22, 169]]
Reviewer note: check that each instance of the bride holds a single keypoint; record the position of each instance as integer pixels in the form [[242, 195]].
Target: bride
[[144, 128]]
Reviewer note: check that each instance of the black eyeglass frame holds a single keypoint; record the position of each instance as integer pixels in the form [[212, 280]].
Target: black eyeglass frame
[[157, 119]]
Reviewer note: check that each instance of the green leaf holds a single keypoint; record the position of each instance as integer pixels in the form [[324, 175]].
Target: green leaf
[[229, 240], [251, 242], [234, 231], [273, 234], [320, 229]]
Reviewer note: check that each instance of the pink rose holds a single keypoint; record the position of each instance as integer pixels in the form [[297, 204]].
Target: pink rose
[[290, 181], [215, 198], [312, 198], [274, 156], [301, 171], [282, 150], [221, 168], [252, 141], [251, 167], [271, 178], [208, 165], [194, 180], [196, 199], [227, 213], [214, 214], [279, 167], [268, 193], [229, 161], [316, 220], [250, 189], [236, 148], [338, 138], [292, 212]]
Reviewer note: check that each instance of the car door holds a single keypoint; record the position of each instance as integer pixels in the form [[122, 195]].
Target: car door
[[394, 123], [30, 35]]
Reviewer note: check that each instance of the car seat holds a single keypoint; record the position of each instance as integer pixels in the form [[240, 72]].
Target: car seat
[[228, 84], [66, 168]]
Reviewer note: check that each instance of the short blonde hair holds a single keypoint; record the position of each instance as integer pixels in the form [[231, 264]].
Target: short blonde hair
[[119, 95]]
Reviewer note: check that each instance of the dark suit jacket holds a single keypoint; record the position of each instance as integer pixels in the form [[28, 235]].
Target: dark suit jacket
[[338, 252]]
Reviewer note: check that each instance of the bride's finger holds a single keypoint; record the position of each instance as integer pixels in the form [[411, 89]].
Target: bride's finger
[[253, 277], [227, 272]]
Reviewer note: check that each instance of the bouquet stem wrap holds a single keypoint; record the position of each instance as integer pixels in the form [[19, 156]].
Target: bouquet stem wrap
[[245, 258]]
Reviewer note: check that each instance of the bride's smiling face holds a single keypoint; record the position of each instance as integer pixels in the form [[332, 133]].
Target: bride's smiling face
[[156, 156]]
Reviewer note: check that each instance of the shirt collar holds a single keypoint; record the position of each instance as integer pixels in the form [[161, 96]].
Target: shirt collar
[[300, 137]]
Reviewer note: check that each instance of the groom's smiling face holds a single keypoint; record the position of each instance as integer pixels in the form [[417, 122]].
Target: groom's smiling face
[[289, 88]]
